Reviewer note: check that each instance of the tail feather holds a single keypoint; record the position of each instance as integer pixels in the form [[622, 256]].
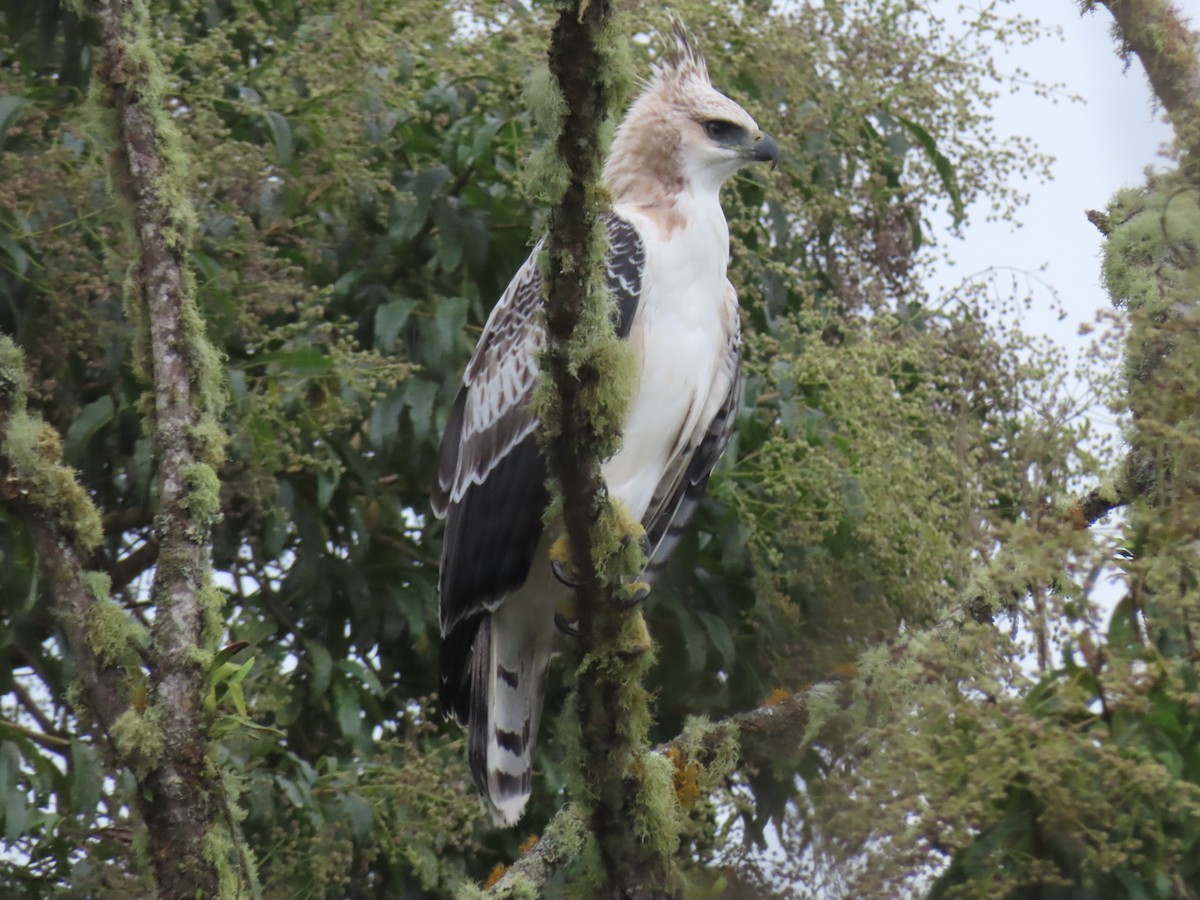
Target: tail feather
[[508, 684]]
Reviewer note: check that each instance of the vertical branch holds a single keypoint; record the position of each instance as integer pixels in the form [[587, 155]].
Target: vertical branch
[[1170, 53], [626, 791], [180, 789]]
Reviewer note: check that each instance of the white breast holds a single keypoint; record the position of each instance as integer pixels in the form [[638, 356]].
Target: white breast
[[679, 333]]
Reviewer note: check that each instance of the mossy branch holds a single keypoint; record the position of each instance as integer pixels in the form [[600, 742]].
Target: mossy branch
[[564, 841], [626, 797], [1156, 33], [706, 752], [65, 525], [181, 797]]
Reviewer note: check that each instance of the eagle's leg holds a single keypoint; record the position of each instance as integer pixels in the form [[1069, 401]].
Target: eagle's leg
[[630, 530], [561, 564], [566, 618], [625, 595]]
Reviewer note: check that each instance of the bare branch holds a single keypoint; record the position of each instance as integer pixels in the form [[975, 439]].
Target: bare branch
[[41, 738], [33, 708], [126, 569]]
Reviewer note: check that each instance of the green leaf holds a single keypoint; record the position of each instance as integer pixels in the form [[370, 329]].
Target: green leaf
[[322, 667], [365, 675], [941, 165], [303, 361], [349, 710], [16, 803], [87, 776], [719, 634], [1122, 627], [389, 319], [91, 419], [18, 256], [360, 814], [281, 136], [11, 110], [450, 233], [419, 396], [327, 482]]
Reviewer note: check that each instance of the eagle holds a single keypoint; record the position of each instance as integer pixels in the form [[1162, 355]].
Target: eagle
[[666, 266]]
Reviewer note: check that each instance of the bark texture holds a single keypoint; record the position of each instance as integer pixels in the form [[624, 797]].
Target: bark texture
[[628, 817], [1156, 32], [757, 736], [180, 789], [29, 484]]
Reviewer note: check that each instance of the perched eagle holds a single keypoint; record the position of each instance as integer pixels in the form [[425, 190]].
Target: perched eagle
[[668, 254]]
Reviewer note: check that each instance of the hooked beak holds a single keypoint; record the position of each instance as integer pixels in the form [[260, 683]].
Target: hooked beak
[[764, 149]]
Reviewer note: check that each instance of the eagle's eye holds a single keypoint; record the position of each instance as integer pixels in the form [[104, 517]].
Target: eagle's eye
[[722, 131]]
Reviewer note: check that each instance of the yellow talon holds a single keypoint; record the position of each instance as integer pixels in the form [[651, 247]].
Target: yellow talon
[[634, 592], [560, 563], [631, 529], [560, 551]]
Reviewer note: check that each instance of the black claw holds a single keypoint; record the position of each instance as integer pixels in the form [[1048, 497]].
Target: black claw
[[570, 629], [565, 577]]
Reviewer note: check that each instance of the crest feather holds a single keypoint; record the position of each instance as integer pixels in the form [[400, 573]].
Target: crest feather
[[683, 60]]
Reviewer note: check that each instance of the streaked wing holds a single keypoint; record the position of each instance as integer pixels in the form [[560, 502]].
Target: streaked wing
[[682, 486], [490, 484]]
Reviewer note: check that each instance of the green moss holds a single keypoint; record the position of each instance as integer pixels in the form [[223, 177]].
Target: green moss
[[203, 499], [659, 816], [545, 175], [234, 864], [139, 739], [212, 602], [111, 632], [35, 451], [14, 384], [1150, 253]]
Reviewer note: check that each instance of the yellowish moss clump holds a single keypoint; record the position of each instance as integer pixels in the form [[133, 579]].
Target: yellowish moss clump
[[34, 451], [139, 739], [545, 174], [111, 632], [203, 499], [1149, 258]]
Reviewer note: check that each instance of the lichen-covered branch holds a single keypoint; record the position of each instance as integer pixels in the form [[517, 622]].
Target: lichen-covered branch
[[625, 793], [703, 753], [180, 787], [65, 526], [1089, 508], [563, 842], [1156, 33]]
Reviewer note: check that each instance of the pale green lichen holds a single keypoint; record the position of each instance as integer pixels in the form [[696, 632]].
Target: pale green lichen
[[660, 818], [203, 499], [718, 743], [1150, 253], [139, 739], [34, 450], [545, 175], [234, 864], [111, 632]]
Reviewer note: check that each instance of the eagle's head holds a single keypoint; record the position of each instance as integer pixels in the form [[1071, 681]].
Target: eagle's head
[[682, 133]]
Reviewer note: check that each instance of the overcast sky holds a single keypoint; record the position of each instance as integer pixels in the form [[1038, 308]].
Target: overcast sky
[[1099, 146]]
